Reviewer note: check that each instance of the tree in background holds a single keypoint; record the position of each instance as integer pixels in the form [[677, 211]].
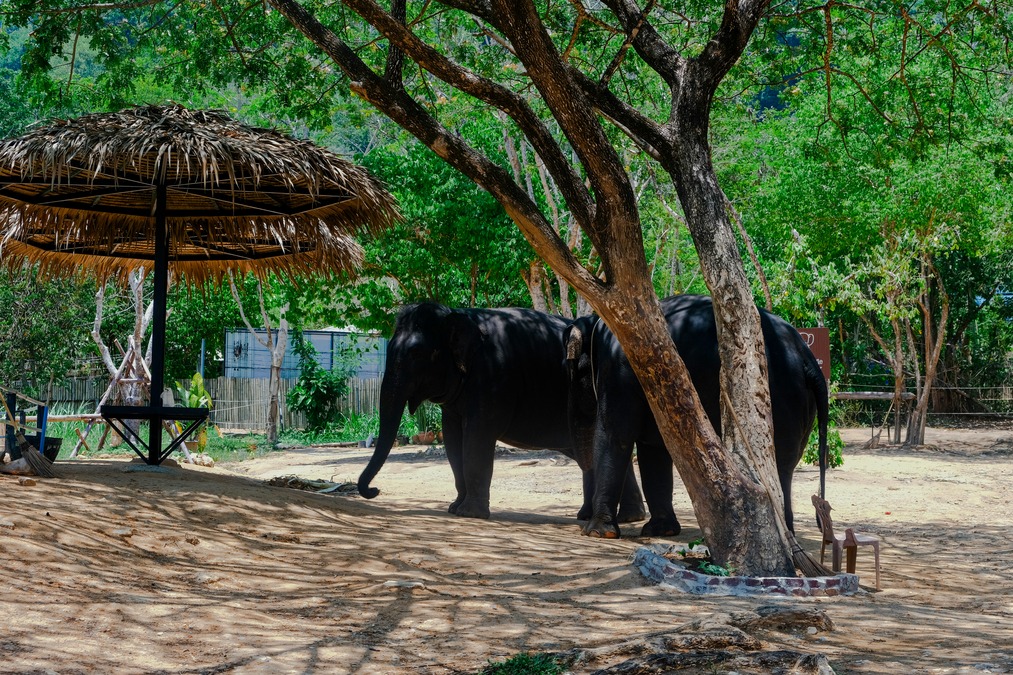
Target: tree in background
[[882, 190], [455, 246], [200, 317], [131, 379], [44, 333], [275, 340]]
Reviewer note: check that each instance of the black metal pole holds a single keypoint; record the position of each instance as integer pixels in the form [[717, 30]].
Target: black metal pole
[[12, 444], [161, 281]]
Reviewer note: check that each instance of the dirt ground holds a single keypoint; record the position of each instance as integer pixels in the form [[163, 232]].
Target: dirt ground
[[109, 569]]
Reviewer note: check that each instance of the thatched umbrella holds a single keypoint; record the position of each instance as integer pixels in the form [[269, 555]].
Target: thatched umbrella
[[195, 192]]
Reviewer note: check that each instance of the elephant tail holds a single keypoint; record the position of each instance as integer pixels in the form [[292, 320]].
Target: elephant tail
[[822, 394]]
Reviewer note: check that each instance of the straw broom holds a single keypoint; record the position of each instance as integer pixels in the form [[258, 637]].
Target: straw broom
[[35, 459]]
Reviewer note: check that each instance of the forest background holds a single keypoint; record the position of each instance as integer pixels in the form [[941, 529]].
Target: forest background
[[882, 212]]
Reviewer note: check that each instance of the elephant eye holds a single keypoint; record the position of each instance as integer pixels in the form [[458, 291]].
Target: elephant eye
[[435, 355]]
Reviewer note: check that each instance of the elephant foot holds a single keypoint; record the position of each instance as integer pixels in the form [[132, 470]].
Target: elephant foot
[[631, 514], [585, 512], [661, 527], [466, 509], [602, 529]]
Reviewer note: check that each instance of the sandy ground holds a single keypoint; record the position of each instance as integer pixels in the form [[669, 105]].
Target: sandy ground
[[195, 570]]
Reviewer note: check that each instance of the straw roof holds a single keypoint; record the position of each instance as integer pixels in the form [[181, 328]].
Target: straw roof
[[81, 193]]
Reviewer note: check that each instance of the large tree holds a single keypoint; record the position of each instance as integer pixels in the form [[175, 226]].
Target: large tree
[[733, 485], [43, 334]]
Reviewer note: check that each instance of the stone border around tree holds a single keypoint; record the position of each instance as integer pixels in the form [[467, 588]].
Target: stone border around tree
[[650, 560]]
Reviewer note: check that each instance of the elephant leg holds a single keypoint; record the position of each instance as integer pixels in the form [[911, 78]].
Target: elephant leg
[[612, 462], [656, 476], [586, 507], [788, 449], [479, 450], [453, 438], [631, 503]]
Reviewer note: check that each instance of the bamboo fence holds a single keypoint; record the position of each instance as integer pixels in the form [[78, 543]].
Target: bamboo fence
[[239, 403]]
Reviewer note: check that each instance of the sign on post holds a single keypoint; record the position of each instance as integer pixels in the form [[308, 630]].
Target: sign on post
[[818, 340]]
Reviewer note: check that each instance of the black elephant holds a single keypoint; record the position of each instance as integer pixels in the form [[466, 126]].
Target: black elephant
[[608, 408], [497, 374]]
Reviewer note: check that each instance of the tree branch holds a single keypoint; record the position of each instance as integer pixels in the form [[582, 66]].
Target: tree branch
[[488, 92], [650, 46], [242, 314], [621, 54], [407, 113], [616, 223]]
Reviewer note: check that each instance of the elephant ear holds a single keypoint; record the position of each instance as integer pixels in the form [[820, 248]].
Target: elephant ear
[[576, 341], [573, 338], [465, 336], [582, 402], [583, 399]]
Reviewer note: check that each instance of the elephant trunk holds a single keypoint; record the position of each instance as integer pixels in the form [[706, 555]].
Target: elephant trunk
[[392, 405]]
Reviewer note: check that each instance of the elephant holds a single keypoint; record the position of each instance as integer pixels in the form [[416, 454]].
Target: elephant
[[609, 410], [497, 374]]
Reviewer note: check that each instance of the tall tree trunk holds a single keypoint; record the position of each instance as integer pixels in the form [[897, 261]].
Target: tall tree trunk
[[933, 335], [746, 496], [533, 277], [733, 506], [131, 378], [896, 357], [276, 342], [277, 347]]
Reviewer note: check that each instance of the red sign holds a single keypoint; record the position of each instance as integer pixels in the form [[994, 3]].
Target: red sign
[[818, 340]]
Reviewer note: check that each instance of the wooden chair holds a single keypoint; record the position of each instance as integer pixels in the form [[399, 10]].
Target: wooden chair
[[849, 541]]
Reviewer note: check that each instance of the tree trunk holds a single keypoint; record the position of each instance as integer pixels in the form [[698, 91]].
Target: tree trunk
[[131, 378], [743, 503], [733, 507], [897, 363], [276, 343], [536, 289], [934, 337]]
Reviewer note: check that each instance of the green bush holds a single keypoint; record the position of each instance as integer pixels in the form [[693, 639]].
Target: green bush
[[231, 448], [359, 427], [192, 394], [317, 391], [428, 417], [840, 413], [351, 427], [526, 664], [835, 448]]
